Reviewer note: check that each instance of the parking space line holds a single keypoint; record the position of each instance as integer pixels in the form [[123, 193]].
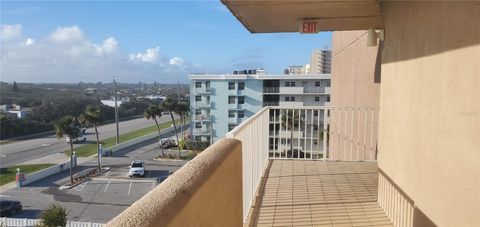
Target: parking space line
[[107, 186], [106, 175], [130, 187], [84, 184]]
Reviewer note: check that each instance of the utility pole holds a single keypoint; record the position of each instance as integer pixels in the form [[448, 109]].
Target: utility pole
[[178, 102], [117, 139]]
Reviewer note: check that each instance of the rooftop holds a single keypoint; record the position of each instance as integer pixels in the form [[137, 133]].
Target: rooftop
[[260, 77]]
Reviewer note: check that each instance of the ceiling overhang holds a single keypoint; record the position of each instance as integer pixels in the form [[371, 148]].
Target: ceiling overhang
[[271, 16]]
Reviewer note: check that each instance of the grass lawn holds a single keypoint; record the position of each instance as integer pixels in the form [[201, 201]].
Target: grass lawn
[[90, 149], [7, 175]]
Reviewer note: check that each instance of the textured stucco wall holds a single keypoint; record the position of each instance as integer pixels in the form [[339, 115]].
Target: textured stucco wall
[[429, 139], [207, 191], [355, 83]]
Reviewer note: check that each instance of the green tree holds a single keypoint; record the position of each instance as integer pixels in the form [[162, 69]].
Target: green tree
[[170, 106], [152, 112], [182, 109], [93, 116], [53, 216], [68, 126], [291, 120]]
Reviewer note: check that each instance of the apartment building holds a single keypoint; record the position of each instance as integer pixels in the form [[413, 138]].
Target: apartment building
[[427, 170], [321, 61], [298, 69], [221, 102]]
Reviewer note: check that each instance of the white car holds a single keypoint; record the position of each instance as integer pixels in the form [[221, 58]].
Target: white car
[[137, 168], [81, 138]]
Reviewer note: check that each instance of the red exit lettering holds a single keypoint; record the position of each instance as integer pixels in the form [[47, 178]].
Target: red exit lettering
[[309, 26]]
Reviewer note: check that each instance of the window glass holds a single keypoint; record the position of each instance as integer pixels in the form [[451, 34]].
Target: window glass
[[231, 85], [198, 125], [287, 99], [241, 99], [317, 83], [241, 85], [317, 99], [241, 114], [231, 113], [231, 127], [231, 99], [292, 99], [287, 84], [328, 98], [198, 112], [198, 98], [292, 84], [198, 84]]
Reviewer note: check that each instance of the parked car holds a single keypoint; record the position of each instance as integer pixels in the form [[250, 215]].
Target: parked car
[[137, 168], [9, 207], [167, 143], [81, 138]]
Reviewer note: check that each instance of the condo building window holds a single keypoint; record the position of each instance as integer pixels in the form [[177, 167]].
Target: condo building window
[[241, 85], [198, 112], [198, 138], [231, 85], [198, 125], [231, 99], [287, 99], [241, 113], [231, 127], [292, 99], [231, 113], [241, 99], [198, 84], [328, 98], [287, 84], [315, 113], [317, 83], [198, 98], [317, 99], [292, 84]]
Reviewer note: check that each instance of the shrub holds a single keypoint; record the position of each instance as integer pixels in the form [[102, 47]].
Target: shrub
[[197, 145], [54, 215]]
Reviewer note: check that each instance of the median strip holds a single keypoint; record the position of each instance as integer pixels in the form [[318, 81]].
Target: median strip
[[91, 149]]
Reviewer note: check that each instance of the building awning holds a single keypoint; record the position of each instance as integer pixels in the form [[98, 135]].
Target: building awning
[[269, 16]]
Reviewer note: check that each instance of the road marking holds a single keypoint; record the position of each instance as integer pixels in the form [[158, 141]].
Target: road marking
[[107, 186], [84, 184], [3, 155], [6, 196], [130, 187], [108, 173], [45, 145]]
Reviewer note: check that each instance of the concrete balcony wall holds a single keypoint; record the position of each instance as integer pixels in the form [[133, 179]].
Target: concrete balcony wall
[[429, 129], [207, 191], [292, 90]]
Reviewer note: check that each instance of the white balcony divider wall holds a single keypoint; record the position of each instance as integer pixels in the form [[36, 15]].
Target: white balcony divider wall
[[272, 133]]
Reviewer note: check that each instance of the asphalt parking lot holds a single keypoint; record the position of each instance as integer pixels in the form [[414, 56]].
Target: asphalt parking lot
[[101, 198]]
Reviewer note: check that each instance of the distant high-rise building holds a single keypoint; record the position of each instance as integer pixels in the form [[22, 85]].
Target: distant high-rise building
[[298, 69], [321, 61]]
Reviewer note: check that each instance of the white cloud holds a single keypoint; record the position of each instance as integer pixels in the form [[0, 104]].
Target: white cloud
[[10, 32], [67, 34], [177, 61], [68, 55], [152, 55], [29, 42]]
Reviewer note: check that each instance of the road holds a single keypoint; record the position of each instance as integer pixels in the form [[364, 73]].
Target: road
[[19, 152], [100, 199]]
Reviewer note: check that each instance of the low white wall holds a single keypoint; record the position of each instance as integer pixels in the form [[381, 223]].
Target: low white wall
[[30, 178]]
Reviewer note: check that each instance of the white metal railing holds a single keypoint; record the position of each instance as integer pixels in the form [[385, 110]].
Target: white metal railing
[[202, 117], [203, 90], [270, 103], [271, 89], [253, 133], [320, 132], [202, 104], [201, 131], [25, 222]]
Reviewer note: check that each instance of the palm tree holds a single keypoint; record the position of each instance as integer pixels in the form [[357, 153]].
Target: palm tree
[[182, 109], [290, 120], [93, 116], [68, 126], [170, 106], [152, 112]]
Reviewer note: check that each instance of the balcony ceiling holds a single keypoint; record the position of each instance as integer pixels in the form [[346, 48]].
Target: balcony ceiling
[[270, 16]]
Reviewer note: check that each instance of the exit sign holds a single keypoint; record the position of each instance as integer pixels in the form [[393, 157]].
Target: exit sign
[[309, 26]]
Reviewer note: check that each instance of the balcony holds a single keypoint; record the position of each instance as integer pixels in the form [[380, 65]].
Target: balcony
[[202, 131], [202, 104], [202, 117], [270, 103], [317, 90], [250, 180], [271, 90], [203, 90]]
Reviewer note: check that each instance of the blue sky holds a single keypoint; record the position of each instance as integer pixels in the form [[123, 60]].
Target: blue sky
[[166, 40]]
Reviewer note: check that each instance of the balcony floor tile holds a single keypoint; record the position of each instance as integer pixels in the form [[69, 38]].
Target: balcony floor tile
[[319, 193]]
